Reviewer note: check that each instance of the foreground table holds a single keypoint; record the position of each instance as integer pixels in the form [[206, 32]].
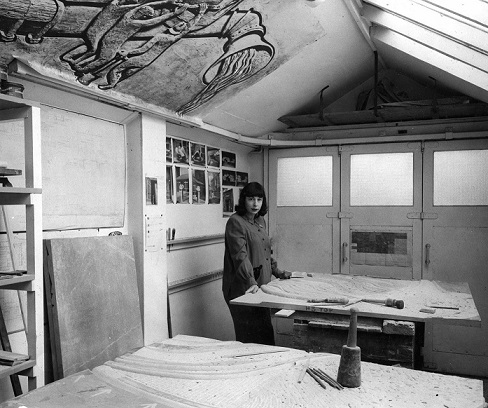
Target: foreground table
[[196, 372]]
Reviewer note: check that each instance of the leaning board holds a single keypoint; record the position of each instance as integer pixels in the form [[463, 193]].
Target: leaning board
[[93, 302]]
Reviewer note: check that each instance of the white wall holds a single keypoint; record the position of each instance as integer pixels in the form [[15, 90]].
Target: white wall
[[201, 310]]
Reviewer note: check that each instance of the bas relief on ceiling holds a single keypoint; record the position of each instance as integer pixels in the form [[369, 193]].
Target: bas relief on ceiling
[[119, 38]]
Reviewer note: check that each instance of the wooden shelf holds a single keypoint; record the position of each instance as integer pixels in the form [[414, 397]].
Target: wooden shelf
[[20, 190], [17, 196], [12, 102], [14, 281], [18, 109], [16, 369]]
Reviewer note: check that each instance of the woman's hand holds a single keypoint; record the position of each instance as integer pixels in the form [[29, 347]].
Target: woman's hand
[[253, 289]]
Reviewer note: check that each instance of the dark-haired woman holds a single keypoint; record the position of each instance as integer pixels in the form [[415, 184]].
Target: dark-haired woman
[[248, 265]]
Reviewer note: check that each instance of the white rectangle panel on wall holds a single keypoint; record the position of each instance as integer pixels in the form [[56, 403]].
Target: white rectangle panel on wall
[[84, 166]]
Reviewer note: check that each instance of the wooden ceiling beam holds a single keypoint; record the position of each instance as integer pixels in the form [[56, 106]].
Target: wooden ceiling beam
[[425, 14], [429, 38]]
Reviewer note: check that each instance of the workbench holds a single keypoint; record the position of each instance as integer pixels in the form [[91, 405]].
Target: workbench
[[386, 335], [197, 372]]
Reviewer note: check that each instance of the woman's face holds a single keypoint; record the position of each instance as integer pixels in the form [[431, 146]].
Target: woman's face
[[253, 205]]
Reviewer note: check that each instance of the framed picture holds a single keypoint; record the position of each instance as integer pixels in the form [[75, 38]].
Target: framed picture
[[241, 179], [182, 185], [180, 151], [169, 151], [228, 202], [228, 178], [151, 191], [228, 159], [170, 189], [197, 154], [213, 157], [213, 178], [198, 187]]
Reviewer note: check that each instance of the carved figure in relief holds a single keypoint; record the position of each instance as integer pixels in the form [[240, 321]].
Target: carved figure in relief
[[122, 37]]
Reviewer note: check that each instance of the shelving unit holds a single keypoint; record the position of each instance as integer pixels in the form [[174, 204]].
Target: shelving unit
[[17, 109]]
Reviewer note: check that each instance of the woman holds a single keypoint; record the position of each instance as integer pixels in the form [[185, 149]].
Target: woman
[[248, 265]]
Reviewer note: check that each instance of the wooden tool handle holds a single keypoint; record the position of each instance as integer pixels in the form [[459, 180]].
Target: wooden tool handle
[[329, 300], [353, 328]]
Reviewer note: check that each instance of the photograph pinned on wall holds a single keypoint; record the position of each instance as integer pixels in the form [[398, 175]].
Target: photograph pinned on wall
[[228, 178], [228, 202], [197, 154], [213, 157], [170, 190], [213, 187], [180, 151], [198, 187], [241, 179], [182, 185], [169, 150], [151, 191], [228, 159]]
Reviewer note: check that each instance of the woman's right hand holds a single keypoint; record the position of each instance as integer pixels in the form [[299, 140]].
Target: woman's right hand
[[253, 289]]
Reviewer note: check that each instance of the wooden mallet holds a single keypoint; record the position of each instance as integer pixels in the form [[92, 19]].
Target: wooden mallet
[[349, 374], [399, 304]]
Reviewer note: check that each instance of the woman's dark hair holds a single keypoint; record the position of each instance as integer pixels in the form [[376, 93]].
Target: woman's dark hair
[[252, 190]]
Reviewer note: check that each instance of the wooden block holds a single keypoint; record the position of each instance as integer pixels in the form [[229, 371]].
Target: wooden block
[[427, 310], [399, 327], [11, 359], [284, 313]]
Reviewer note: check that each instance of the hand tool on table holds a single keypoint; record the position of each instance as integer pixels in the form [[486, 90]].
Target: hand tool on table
[[349, 374], [325, 377], [399, 304], [316, 378], [340, 300], [443, 307], [303, 371]]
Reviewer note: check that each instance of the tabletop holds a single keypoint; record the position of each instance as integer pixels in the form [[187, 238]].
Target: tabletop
[[442, 302], [188, 371]]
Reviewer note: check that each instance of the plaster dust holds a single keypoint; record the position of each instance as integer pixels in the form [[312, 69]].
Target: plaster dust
[[188, 371], [266, 376], [417, 295]]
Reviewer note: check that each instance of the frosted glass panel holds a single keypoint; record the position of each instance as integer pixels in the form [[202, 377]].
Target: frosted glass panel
[[461, 177], [304, 181], [382, 179]]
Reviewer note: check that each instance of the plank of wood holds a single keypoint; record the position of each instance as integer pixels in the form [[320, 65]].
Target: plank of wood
[[5, 343], [93, 301], [11, 359]]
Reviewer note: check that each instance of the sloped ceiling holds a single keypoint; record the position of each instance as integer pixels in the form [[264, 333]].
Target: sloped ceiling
[[240, 65]]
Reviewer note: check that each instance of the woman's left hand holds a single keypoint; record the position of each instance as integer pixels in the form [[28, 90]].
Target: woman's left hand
[[253, 289]]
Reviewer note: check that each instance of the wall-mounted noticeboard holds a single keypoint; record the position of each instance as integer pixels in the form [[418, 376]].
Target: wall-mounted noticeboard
[[83, 170]]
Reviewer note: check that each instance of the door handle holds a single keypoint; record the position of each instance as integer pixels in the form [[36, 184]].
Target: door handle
[[344, 252], [427, 254]]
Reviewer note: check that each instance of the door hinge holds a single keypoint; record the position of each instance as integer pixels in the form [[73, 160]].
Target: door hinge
[[422, 215]]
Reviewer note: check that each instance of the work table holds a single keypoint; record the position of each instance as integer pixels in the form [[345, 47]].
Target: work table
[[387, 335], [424, 300], [189, 371]]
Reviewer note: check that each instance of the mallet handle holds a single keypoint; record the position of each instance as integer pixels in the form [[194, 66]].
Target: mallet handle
[[353, 328]]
